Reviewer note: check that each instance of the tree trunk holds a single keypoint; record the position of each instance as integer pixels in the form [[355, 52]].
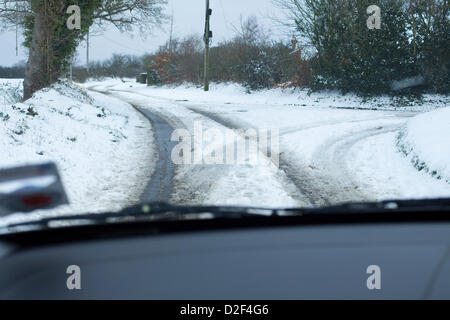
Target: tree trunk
[[38, 73]]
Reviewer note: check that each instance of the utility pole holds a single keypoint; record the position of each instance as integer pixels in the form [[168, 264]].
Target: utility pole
[[87, 52], [17, 30], [17, 43], [72, 58], [171, 33], [207, 36]]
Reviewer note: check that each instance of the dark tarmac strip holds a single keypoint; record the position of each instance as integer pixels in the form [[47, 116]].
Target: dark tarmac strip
[[160, 186]]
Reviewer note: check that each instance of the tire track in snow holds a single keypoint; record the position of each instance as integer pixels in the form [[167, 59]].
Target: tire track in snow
[[187, 188], [331, 164], [303, 189], [327, 181], [295, 129], [160, 186]]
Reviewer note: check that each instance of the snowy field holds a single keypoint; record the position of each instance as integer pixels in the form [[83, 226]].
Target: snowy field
[[333, 148], [102, 146]]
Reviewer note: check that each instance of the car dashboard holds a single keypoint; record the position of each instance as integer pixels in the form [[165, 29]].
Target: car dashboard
[[279, 262]]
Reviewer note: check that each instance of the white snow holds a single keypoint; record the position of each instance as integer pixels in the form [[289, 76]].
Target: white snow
[[235, 94], [343, 148], [102, 146], [426, 140], [247, 184], [385, 172], [11, 90], [333, 148]]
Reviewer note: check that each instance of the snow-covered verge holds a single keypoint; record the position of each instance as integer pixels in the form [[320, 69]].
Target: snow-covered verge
[[102, 146], [425, 140], [236, 94]]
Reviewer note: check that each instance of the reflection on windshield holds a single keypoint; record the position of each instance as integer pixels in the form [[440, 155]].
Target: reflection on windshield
[[23, 185]]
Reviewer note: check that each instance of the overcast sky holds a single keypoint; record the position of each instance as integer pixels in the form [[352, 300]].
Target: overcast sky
[[188, 18]]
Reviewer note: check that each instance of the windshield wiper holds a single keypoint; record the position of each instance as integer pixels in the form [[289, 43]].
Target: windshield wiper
[[402, 210], [146, 212], [388, 206]]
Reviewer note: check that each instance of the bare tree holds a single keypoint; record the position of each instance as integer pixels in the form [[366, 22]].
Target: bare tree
[[250, 31]]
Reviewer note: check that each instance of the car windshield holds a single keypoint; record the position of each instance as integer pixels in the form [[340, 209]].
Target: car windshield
[[256, 103]]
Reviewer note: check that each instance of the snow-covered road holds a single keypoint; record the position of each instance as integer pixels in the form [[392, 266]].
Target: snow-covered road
[[326, 179], [328, 155]]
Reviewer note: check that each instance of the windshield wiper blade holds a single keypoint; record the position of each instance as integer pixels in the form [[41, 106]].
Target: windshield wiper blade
[[398, 210], [150, 211], [387, 206]]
